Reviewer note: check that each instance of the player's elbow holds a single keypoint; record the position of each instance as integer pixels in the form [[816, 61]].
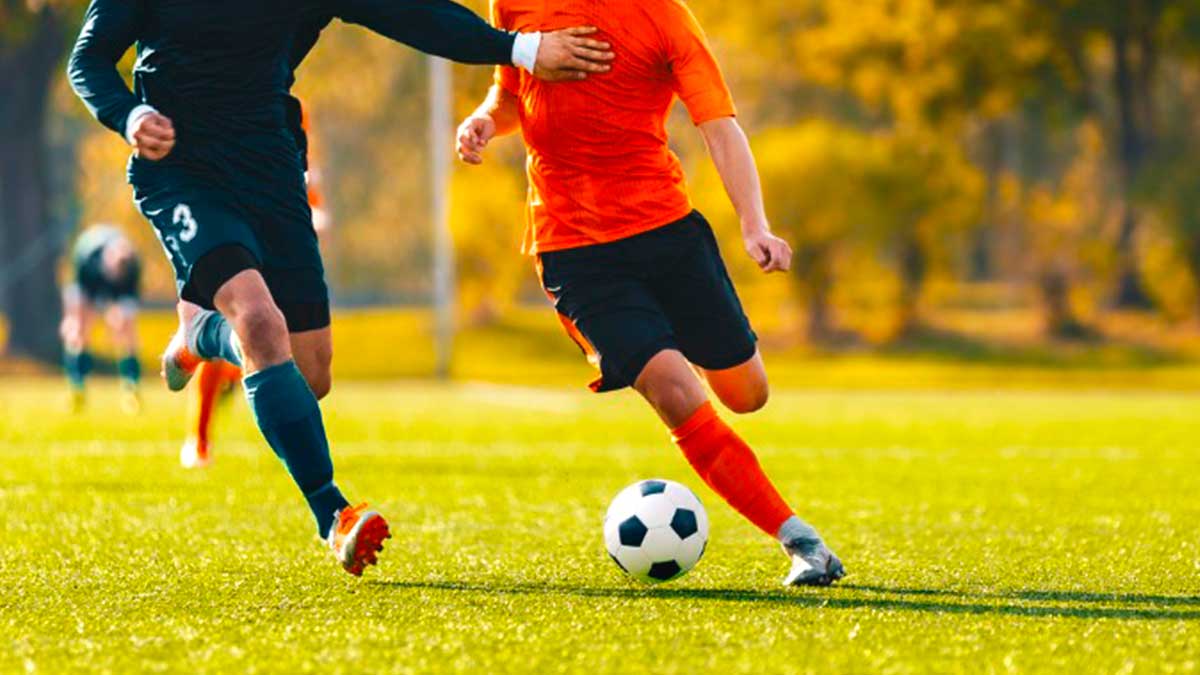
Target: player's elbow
[[720, 130]]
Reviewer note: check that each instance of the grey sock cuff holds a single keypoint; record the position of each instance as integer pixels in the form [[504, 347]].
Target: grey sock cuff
[[794, 528], [192, 332]]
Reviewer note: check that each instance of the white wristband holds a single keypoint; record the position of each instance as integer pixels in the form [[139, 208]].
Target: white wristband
[[134, 115], [525, 50]]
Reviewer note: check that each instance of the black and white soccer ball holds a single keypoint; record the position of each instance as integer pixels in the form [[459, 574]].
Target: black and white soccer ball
[[656, 530]]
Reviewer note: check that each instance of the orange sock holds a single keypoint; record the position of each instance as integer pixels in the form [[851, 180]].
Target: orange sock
[[730, 468], [210, 379]]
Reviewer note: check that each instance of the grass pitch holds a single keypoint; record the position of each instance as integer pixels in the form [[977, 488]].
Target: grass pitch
[[982, 532]]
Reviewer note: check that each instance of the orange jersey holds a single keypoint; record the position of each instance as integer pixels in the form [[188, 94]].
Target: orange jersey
[[599, 165]]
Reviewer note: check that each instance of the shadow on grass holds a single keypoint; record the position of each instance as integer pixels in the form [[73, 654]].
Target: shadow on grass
[[1082, 605], [1042, 596]]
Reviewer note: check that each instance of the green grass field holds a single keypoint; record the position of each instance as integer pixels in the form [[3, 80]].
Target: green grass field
[[989, 532]]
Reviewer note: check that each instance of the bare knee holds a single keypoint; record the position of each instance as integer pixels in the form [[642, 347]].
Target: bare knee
[[122, 322], [671, 387], [746, 399], [263, 333], [246, 303], [73, 333]]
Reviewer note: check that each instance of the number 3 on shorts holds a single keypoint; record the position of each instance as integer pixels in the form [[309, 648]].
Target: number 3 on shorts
[[187, 224]]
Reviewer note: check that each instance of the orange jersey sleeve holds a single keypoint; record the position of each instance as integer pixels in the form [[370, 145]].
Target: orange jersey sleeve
[[696, 76], [507, 77]]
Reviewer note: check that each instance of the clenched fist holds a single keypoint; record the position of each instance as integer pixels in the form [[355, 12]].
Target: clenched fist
[[153, 136], [474, 134], [771, 253]]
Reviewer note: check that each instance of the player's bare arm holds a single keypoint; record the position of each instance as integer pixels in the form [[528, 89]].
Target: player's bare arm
[[498, 115], [730, 151]]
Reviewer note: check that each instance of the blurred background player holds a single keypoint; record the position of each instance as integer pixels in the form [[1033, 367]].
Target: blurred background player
[[107, 279], [633, 269], [215, 380]]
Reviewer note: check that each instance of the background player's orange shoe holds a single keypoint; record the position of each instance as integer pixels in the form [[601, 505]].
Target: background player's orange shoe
[[357, 536]]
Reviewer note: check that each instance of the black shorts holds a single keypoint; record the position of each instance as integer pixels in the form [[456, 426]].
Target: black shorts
[[268, 220], [625, 301]]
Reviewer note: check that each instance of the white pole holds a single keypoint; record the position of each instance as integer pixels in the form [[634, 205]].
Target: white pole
[[440, 140]]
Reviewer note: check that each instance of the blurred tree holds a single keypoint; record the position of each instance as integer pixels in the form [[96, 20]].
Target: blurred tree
[[486, 207], [33, 39], [1136, 37], [923, 70], [1171, 185]]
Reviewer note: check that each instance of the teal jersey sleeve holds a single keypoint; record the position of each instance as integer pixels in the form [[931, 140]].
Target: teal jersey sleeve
[[438, 27], [110, 27]]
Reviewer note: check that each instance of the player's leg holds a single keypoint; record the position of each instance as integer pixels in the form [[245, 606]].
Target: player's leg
[[121, 319], [729, 466], [742, 388], [213, 380], [717, 454], [218, 258], [313, 351], [74, 330], [714, 334], [607, 301]]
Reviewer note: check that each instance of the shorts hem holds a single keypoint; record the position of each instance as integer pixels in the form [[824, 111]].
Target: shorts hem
[[632, 368], [727, 362]]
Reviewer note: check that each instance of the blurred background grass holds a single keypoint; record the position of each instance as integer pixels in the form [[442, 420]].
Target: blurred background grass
[[527, 347]]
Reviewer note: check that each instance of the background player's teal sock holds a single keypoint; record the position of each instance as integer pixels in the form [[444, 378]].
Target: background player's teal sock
[[130, 370], [290, 420], [77, 365], [214, 339]]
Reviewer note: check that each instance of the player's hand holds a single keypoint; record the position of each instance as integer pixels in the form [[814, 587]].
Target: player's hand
[[474, 134], [771, 253], [153, 136], [569, 54]]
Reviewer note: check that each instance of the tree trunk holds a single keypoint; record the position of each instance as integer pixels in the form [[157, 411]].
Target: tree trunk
[[29, 247], [982, 254], [816, 286], [913, 268], [1060, 321], [1131, 292]]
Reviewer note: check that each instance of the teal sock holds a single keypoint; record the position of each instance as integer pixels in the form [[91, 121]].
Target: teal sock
[[77, 365], [130, 370], [290, 419], [213, 338]]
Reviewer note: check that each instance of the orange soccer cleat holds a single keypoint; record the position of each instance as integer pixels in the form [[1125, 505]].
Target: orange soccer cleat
[[357, 536]]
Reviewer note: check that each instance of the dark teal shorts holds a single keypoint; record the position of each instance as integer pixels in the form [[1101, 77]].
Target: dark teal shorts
[[271, 220]]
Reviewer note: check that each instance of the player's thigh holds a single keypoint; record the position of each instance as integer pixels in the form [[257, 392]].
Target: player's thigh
[[607, 309], [697, 296], [292, 265], [313, 352], [195, 223]]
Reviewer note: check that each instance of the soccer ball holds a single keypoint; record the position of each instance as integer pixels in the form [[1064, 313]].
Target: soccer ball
[[656, 530]]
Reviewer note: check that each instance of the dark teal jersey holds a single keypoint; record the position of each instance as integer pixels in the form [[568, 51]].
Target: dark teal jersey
[[222, 67], [87, 260]]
